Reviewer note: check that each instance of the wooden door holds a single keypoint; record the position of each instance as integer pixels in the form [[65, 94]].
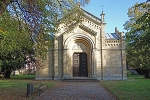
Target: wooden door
[[83, 65], [76, 64], [80, 65]]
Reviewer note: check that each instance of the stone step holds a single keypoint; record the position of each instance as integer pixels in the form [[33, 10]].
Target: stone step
[[80, 79]]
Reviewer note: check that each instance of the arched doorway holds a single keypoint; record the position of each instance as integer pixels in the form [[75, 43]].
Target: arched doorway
[[78, 56], [80, 64]]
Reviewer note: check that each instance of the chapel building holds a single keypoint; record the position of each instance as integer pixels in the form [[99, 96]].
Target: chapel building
[[87, 52]]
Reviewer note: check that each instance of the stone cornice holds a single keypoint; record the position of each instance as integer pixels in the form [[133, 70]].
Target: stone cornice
[[92, 17], [87, 29]]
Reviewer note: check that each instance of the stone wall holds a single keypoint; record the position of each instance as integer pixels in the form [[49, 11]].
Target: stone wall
[[46, 69], [115, 68]]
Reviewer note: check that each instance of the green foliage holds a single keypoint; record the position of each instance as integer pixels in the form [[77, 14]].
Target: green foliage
[[138, 36], [32, 24], [14, 44], [44, 17], [128, 73]]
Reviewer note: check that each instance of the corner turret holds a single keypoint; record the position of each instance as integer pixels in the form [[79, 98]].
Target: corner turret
[[103, 17]]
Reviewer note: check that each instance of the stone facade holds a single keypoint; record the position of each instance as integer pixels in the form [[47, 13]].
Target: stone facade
[[105, 53]]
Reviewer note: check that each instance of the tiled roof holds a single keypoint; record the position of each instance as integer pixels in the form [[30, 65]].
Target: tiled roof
[[112, 36]]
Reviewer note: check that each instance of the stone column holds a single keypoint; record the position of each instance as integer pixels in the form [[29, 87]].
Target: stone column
[[123, 58], [65, 64], [102, 50], [51, 64], [60, 63], [94, 63], [60, 57], [56, 59], [91, 63], [124, 64], [98, 64]]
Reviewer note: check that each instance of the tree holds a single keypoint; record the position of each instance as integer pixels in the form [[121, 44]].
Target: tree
[[39, 19], [3, 5], [15, 42], [138, 37], [54, 3], [44, 16]]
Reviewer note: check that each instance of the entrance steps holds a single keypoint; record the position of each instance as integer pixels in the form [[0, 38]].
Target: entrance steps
[[80, 79]]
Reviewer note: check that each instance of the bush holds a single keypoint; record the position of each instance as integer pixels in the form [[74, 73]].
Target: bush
[[128, 73]]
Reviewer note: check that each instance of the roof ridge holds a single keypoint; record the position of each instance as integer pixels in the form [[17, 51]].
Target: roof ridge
[[94, 17]]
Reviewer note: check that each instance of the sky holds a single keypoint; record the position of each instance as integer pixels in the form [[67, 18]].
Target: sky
[[115, 12]]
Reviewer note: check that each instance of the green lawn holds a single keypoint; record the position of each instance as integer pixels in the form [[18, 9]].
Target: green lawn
[[15, 88], [134, 88], [23, 77]]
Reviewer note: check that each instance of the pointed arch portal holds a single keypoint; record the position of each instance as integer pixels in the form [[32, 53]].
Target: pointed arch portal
[[79, 55]]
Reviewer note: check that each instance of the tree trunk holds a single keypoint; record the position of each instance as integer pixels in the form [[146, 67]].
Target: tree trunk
[[13, 73], [1, 10], [3, 6], [147, 73], [7, 74]]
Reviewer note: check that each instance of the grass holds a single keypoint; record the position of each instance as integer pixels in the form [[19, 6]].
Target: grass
[[15, 88], [23, 77], [136, 87]]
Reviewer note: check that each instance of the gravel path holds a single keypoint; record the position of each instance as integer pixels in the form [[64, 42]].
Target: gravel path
[[77, 91]]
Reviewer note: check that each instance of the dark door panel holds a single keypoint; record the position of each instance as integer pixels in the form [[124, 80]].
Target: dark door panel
[[80, 65], [76, 65], [83, 65]]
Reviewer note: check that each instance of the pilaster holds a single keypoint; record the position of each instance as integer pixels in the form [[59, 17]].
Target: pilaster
[[51, 63], [94, 63], [102, 49], [56, 59], [65, 67], [123, 56]]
